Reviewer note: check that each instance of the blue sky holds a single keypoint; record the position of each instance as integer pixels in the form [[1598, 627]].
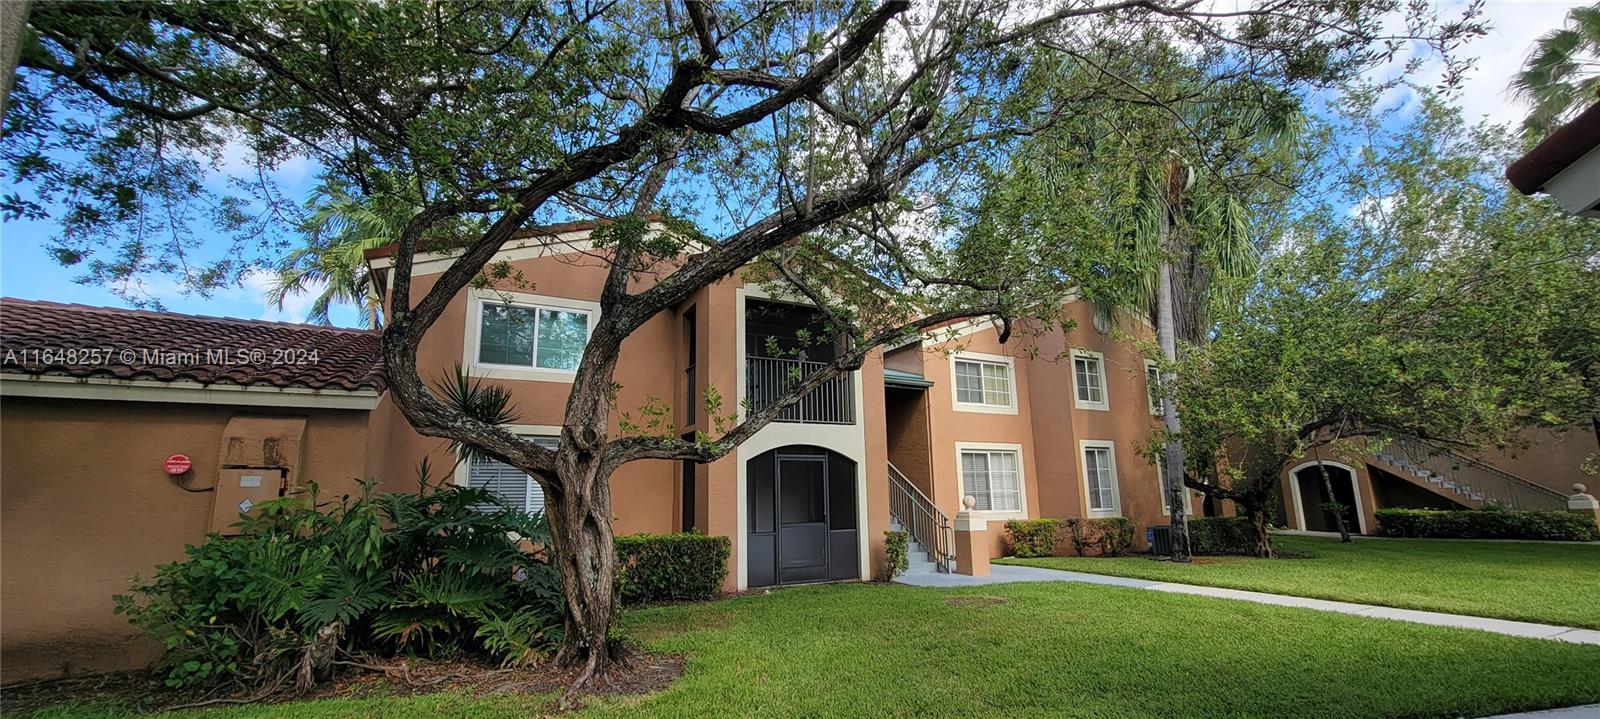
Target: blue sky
[[28, 272]]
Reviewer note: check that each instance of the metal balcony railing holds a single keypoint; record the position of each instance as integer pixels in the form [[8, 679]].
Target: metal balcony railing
[[768, 378], [930, 528]]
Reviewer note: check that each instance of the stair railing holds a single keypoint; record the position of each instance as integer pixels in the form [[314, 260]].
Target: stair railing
[[1492, 484], [930, 527]]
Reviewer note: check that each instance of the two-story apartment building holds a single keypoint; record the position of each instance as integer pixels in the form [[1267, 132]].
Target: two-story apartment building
[[88, 501], [112, 462]]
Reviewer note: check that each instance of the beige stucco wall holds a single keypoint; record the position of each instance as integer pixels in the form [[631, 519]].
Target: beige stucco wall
[[1048, 424], [1553, 459], [645, 494], [86, 505]]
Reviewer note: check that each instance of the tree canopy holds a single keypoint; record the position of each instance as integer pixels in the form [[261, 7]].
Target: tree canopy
[[1426, 300]]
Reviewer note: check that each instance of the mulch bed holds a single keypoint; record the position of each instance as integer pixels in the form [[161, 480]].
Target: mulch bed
[[645, 673]]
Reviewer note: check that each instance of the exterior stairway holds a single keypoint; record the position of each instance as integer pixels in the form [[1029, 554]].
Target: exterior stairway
[[1463, 479], [918, 559], [931, 546]]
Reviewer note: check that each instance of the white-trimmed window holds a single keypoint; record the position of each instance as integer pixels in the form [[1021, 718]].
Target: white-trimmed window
[[983, 383], [1099, 460], [1089, 380], [531, 336], [992, 476], [1152, 386], [507, 482]]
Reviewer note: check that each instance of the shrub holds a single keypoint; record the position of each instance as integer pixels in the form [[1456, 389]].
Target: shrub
[[434, 573], [1115, 535], [1221, 535], [1104, 536], [1487, 524], [670, 567], [1033, 537], [896, 546]]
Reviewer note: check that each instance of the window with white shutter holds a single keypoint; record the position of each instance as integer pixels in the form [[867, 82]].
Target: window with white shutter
[[993, 479], [983, 383], [509, 483]]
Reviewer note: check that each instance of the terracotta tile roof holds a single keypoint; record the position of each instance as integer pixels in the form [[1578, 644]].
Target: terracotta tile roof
[[81, 341], [1557, 152], [542, 231]]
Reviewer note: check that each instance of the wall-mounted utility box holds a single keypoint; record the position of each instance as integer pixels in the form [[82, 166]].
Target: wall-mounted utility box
[[261, 455], [239, 492]]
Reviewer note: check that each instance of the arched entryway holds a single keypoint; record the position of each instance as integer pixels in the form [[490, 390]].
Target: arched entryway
[[802, 517], [1310, 496]]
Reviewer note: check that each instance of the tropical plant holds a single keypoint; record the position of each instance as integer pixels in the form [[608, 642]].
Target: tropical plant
[[1561, 76], [338, 228], [310, 584], [1176, 191]]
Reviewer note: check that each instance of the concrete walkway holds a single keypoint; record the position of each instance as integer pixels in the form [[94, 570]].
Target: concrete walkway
[[1587, 711], [1001, 573]]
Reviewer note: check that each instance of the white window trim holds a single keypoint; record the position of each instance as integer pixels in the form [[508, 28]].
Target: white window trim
[[1083, 471], [955, 396], [1155, 402], [1022, 479], [475, 303], [1105, 388]]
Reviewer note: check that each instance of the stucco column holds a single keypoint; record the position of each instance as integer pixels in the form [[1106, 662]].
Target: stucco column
[[972, 541], [1583, 503]]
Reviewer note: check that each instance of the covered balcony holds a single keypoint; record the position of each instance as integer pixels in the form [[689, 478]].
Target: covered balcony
[[784, 344]]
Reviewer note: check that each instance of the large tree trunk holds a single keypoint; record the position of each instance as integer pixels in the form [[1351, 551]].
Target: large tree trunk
[[579, 513], [1258, 521], [1332, 505], [580, 530], [13, 27], [1166, 335], [1173, 467]]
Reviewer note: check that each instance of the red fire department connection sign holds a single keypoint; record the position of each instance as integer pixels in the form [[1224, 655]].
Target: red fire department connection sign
[[178, 464]]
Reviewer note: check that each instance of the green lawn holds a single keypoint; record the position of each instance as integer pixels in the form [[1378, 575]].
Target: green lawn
[[1536, 582], [1046, 649]]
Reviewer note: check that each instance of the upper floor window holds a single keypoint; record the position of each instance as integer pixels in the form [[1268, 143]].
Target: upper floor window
[[984, 384], [1152, 386], [1089, 379], [532, 336]]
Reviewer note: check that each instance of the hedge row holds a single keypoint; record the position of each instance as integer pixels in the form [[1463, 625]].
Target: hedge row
[[1222, 535], [1488, 524], [670, 567], [1108, 536]]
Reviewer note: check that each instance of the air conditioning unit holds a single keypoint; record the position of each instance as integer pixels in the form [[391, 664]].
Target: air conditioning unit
[[1160, 539]]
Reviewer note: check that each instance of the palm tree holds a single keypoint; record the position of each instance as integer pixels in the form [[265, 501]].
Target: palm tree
[[339, 229], [1190, 237], [1561, 76]]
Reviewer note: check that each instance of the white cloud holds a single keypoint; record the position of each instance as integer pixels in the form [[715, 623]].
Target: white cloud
[[253, 287]]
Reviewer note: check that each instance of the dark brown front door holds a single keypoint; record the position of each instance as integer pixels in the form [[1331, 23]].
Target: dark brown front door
[[801, 517]]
